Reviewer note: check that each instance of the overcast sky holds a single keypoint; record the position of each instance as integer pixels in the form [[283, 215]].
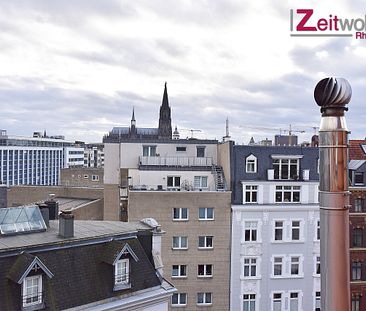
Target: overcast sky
[[76, 68]]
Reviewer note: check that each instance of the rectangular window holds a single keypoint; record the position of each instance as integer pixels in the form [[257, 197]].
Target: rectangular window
[[359, 205], [173, 182], [277, 302], [295, 265], [121, 272], [32, 291], [200, 151], [251, 164], [317, 265], [359, 178], [95, 178], [295, 230], [251, 194], [149, 151], [249, 302], [356, 303], [181, 149], [278, 230], [179, 271], [356, 270], [205, 242], [286, 169], [277, 266], [250, 231], [317, 301], [180, 213], [318, 230], [294, 301], [204, 271], [180, 242], [179, 299], [204, 298], [287, 194], [200, 181], [358, 237], [250, 267], [206, 213]]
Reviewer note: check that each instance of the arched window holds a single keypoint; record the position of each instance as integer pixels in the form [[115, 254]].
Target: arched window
[[251, 164]]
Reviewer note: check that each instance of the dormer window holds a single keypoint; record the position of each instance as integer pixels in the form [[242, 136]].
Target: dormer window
[[122, 272], [251, 164], [32, 293]]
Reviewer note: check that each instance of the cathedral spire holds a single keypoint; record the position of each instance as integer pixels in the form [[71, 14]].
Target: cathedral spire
[[165, 122], [133, 130]]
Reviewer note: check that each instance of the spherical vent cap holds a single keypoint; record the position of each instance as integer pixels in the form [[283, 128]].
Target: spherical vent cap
[[333, 93]]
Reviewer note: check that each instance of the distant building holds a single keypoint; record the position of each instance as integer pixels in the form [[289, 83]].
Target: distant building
[[357, 177], [286, 140], [36, 160], [94, 155], [80, 265], [275, 251], [82, 177]]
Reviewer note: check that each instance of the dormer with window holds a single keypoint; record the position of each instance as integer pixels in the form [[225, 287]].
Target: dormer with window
[[285, 167], [30, 273], [251, 164]]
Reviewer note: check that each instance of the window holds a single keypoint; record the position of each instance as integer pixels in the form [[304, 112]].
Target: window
[[32, 290], [180, 213], [180, 242], [295, 266], [277, 266], [206, 213], [200, 181], [204, 298], [122, 272], [359, 178], [251, 194], [179, 299], [173, 182], [204, 271], [317, 301], [249, 302], [278, 230], [250, 231], [294, 301], [295, 230], [95, 178], [205, 242], [250, 267], [359, 205], [251, 164], [358, 237], [356, 303], [200, 151], [356, 270], [149, 151], [86, 176], [286, 168], [318, 230], [277, 302], [317, 265], [179, 271], [287, 194], [181, 149]]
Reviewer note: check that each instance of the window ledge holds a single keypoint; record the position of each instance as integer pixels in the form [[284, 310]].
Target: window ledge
[[204, 276], [287, 276], [204, 304], [249, 278], [179, 277], [205, 248], [37, 306], [180, 220], [179, 306], [179, 249], [206, 219], [121, 286]]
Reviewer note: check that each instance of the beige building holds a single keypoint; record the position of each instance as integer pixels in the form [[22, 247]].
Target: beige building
[[82, 177]]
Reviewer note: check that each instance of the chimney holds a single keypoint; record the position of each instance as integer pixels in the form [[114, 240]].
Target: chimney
[[52, 206], [45, 213], [66, 224], [3, 196]]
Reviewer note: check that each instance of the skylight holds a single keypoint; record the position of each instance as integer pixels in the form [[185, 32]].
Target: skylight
[[24, 219]]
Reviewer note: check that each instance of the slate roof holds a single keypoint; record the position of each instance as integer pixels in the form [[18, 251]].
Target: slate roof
[[80, 275]]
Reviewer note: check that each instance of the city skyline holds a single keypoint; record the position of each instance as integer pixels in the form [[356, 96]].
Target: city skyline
[[78, 69]]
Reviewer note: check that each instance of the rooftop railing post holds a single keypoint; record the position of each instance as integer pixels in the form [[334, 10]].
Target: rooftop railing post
[[332, 95]]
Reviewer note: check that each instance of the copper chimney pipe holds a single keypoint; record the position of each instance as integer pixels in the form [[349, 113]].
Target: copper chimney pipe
[[332, 95]]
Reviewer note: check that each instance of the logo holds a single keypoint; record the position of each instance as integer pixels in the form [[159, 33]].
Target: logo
[[304, 24]]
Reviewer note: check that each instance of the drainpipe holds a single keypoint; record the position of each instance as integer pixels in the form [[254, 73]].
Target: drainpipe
[[332, 95]]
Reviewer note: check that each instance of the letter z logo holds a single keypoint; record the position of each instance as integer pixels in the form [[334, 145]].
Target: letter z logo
[[301, 26]]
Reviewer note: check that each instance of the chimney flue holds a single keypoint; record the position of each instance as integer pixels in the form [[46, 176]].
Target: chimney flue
[[66, 224]]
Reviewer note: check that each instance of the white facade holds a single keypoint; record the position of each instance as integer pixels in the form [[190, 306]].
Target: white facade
[[275, 261], [73, 156], [94, 155]]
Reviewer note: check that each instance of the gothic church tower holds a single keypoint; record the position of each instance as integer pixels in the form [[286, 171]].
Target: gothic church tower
[[165, 122]]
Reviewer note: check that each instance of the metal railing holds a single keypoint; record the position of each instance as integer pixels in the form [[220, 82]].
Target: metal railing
[[176, 161]]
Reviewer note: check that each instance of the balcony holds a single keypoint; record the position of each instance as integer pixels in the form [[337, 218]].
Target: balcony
[[304, 176], [175, 163]]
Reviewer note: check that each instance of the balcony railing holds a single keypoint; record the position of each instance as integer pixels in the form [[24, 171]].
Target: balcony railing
[[176, 161], [304, 176]]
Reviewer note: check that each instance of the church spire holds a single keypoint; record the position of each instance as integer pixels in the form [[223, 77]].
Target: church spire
[[133, 130], [133, 120], [165, 122]]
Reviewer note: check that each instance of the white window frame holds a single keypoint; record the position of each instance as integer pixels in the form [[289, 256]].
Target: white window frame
[[182, 271], [300, 228], [205, 271], [281, 164], [95, 177], [300, 264], [206, 216], [317, 300], [299, 300], [179, 239], [250, 189], [282, 299], [205, 239], [250, 262], [251, 226], [122, 272], [179, 304], [151, 150], [317, 230], [200, 182], [316, 264], [39, 295], [180, 214], [283, 228], [176, 182], [250, 299], [291, 189], [273, 259], [251, 164], [204, 296]]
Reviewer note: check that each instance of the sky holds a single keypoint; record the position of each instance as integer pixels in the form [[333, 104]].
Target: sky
[[77, 68]]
